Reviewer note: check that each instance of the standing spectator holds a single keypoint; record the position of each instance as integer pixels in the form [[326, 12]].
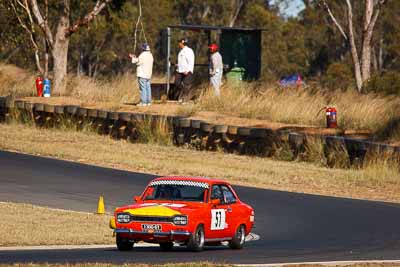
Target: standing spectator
[[216, 69], [144, 71], [184, 72]]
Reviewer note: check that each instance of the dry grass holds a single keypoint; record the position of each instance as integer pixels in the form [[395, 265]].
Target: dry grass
[[154, 132], [118, 90], [121, 89], [16, 81], [302, 106], [44, 226], [378, 183]]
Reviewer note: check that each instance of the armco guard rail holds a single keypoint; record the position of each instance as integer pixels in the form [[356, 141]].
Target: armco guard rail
[[195, 133]]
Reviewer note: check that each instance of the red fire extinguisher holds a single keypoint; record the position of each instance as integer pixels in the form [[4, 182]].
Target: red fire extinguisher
[[39, 86], [331, 117]]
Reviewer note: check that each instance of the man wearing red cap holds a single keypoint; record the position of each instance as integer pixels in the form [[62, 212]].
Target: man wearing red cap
[[216, 68]]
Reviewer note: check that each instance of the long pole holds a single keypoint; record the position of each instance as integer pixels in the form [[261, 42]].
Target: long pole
[[168, 59]]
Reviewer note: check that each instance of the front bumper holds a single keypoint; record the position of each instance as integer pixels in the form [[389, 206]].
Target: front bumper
[[169, 234]]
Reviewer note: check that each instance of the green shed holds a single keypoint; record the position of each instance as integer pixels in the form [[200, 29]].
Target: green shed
[[240, 48]]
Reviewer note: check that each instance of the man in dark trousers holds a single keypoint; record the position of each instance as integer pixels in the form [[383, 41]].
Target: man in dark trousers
[[184, 72]]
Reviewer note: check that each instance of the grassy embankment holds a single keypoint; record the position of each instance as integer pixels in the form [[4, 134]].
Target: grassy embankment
[[378, 114], [379, 180]]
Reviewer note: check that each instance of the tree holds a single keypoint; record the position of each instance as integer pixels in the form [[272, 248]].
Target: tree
[[14, 46], [361, 61], [386, 51], [19, 9], [56, 41]]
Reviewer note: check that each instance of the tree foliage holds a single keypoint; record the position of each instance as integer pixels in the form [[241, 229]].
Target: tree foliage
[[309, 44]]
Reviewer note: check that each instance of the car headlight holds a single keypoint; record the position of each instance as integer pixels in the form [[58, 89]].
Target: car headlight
[[123, 218], [180, 220]]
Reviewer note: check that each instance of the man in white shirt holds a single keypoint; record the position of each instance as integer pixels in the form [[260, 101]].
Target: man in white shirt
[[144, 71], [216, 69], [184, 71]]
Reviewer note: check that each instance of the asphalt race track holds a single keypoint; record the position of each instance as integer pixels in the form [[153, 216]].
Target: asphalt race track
[[293, 227]]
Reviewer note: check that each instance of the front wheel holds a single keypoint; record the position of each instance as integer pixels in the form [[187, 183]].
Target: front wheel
[[239, 238], [196, 241], [123, 244]]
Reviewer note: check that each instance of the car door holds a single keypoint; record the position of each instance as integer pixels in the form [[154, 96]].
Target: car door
[[216, 223], [232, 210], [221, 215]]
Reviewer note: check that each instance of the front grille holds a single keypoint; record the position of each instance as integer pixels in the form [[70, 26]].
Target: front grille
[[151, 219]]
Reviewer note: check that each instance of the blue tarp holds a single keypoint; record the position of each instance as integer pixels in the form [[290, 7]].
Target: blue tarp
[[292, 80]]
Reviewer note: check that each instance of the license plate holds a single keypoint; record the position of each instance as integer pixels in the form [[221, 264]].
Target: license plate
[[151, 228]]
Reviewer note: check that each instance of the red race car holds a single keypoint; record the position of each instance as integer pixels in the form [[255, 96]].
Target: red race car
[[189, 211]]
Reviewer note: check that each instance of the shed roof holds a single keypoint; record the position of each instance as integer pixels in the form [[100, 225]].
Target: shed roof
[[212, 28]]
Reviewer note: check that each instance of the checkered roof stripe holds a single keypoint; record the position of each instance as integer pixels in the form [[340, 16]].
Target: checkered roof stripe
[[180, 182]]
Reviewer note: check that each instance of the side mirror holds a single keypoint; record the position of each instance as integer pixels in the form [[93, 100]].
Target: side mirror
[[215, 202], [136, 198]]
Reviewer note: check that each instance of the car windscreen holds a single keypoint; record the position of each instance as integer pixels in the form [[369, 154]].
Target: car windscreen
[[176, 191]]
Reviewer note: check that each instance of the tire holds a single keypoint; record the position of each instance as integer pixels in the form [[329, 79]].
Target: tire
[[196, 124], [221, 129], [39, 107], [92, 113], [258, 133], [102, 114], [184, 123], [70, 109], [114, 116], [232, 130], [239, 239], [82, 112], [29, 106], [243, 131], [206, 127], [48, 108], [196, 241], [58, 109], [166, 246], [123, 244], [19, 104], [125, 116]]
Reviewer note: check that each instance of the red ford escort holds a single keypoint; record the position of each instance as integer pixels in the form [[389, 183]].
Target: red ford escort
[[189, 211]]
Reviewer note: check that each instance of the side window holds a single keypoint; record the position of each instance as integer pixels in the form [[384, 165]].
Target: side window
[[216, 193], [229, 197]]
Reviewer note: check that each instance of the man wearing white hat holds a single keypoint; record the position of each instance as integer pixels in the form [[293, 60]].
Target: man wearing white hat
[[144, 71]]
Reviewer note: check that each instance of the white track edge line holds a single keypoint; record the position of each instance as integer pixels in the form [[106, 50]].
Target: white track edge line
[[325, 263]]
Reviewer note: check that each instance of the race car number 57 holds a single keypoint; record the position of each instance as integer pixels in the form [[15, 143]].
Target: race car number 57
[[217, 219]]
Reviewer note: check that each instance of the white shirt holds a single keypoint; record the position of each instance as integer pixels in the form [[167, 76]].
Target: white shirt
[[216, 63], [186, 60], [144, 64]]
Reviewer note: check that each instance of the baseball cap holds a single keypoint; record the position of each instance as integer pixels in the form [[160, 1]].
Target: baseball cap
[[145, 47]]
